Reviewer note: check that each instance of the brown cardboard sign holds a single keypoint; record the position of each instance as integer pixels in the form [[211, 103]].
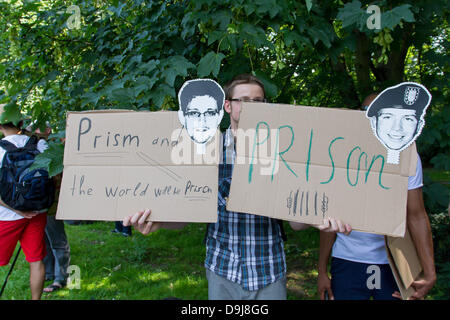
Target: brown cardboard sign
[[404, 263], [119, 162], [302, 164]]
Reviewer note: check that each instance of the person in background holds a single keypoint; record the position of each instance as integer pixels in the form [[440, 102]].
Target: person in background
[[57, 245], [120, 228], [19, 226]]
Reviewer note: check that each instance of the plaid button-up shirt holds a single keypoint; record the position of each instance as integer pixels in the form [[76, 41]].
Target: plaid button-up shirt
[[244, 248]]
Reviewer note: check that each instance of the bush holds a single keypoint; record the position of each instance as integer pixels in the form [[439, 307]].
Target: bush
[[440, 226]]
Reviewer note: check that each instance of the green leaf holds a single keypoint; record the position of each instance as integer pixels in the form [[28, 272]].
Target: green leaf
[[222, 17], [90, 97], [214, 36], [210, 64], [229, 43], [270, 87], [309, 5], [392, 18], [116, 84], [293, 37], [118, 9], [352, 14], [170, 74], [11, 113], [181, 64], [249, 8], [148, 66], [178, 65], [319, 34], [124, 96], [27, 62], [142, 84], [254, 35], [159, 95], [51, 159], [267, 6]]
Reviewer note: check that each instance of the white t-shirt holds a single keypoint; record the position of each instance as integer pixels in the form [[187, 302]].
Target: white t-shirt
[[367, 247], [19, 141]]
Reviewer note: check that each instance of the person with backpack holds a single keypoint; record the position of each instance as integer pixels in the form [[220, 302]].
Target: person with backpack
[[25, 196]]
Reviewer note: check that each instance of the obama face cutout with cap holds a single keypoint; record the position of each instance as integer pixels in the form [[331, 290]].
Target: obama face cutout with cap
[[397, 116]]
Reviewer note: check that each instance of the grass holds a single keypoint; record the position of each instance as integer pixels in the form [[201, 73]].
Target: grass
[[164, 264], [161, 265]]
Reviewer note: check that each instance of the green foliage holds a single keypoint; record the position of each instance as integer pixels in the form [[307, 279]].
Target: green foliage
[[440, 225], [57, 57], [436, 195], [11, 114], [51, 158]]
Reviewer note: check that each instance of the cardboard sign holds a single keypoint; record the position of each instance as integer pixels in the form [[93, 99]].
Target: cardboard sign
[[306, 163], [119, 162], [404, 263]]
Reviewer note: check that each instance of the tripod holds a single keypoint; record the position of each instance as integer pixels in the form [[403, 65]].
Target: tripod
[[10, 270]]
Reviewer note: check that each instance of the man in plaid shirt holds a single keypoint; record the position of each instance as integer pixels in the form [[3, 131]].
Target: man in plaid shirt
[[244, 253]]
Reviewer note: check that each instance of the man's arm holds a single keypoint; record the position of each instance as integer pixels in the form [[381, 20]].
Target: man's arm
[[140, 223], [25, 214], [420, 230], [327, 240], [329, 225]]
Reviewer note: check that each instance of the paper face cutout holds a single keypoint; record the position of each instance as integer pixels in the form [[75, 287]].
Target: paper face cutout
[[397, 116], [201, 110]]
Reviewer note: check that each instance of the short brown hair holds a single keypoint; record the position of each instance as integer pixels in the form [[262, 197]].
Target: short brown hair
[[242, 79]]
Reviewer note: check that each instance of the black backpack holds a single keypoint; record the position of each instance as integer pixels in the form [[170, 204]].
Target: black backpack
[[21, 188]]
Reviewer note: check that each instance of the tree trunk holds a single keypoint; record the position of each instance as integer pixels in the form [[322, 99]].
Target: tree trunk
[[362, 64], [346, 87]]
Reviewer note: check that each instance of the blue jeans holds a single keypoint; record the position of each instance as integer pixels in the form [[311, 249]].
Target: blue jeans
[[57, 259], [360, 281]]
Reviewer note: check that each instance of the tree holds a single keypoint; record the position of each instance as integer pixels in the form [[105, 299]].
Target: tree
[[56, 56]]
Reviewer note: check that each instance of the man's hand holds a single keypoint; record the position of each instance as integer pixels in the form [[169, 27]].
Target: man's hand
[[324, 286], [421, 288], [27, 214], [334, 225], [140, 223]]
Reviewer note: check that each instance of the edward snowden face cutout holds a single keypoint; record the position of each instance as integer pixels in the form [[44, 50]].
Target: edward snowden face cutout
[[202, 118], [201, 104]]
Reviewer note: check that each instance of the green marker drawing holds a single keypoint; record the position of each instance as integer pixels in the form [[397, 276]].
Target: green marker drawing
[[250, 170], [309, 156], [281, 153], [331, 158]]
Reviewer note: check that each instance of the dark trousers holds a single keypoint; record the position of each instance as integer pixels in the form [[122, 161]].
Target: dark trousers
[[57, 259], [121, 228], [361, 281]]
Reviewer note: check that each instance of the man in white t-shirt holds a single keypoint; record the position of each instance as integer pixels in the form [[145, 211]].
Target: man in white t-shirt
[[355, 257], [26, 227]]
